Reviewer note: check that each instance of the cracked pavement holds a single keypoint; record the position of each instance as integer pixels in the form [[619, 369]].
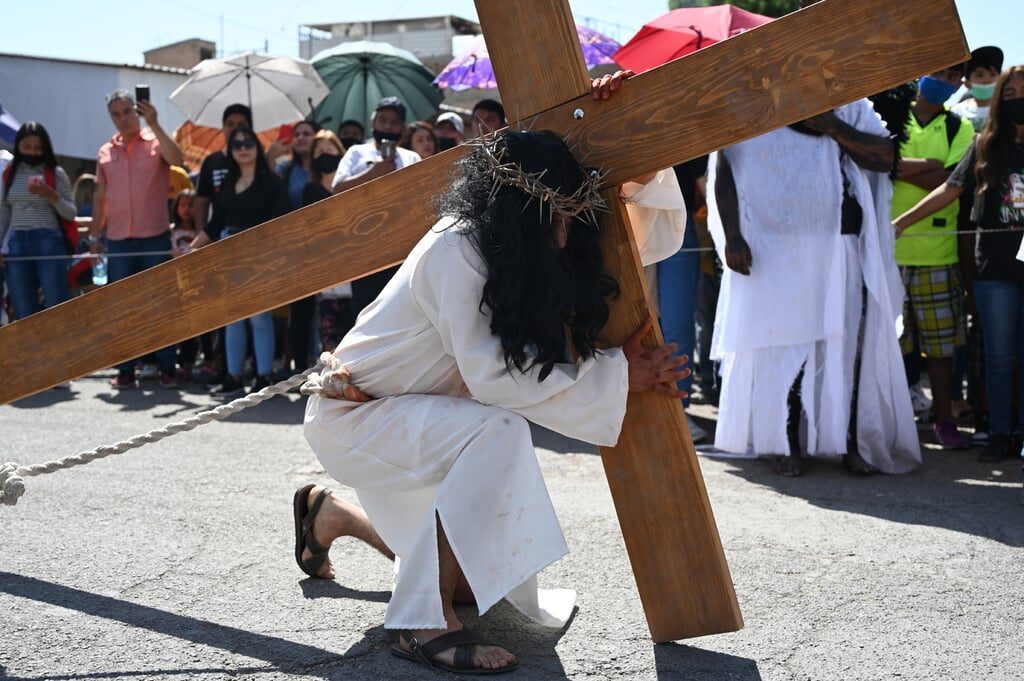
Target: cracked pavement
[[175, 562]]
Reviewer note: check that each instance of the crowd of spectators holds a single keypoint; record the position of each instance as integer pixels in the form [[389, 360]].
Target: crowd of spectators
[[957, 209], [142, 206]]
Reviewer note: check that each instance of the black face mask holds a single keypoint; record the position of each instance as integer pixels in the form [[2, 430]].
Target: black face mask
[[1013, 110], [32, 159], [445, 143], [326, 163], [381, 136], [351, 141]]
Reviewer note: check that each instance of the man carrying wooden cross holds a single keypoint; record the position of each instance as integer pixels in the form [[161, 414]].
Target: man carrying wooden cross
[[465, 345]]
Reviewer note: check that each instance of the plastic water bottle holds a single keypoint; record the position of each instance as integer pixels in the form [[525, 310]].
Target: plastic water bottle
[[99, 271]]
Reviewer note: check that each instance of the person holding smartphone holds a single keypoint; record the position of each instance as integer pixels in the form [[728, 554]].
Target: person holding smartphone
[[29, 224], [364, 162], [130, 204]]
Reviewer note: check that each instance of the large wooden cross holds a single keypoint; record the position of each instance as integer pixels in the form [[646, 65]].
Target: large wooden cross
[[811, 61]]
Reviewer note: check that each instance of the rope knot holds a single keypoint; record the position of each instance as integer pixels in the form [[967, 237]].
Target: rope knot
[[12, 486], [331, 382]]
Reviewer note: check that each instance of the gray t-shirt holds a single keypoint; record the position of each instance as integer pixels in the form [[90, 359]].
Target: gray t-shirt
[[21, 209]]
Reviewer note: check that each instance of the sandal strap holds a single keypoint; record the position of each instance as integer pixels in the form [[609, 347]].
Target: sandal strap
[[307, 527], [454, 639], [464, 656], [315, 562]]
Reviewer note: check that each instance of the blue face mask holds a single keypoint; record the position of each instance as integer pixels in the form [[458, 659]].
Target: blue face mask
[[936, 91]]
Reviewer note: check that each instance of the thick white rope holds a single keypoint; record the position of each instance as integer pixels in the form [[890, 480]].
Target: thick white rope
[[12, 483]]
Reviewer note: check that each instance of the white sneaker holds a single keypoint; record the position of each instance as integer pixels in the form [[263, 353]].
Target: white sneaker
[[920, 403], [697, 434]]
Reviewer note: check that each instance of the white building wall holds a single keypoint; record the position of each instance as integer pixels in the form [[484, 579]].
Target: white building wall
[[67, 97]]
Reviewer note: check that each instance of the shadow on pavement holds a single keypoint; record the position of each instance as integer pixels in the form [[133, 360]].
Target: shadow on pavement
[[951, 490], [329, 588], [676, 661], [47, 398], [503, 625], [148, 397], [188, 673], [283, 655], [534, 645]]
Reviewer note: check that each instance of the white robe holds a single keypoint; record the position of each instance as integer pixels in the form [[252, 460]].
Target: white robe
[[802, 304], [448, 437]]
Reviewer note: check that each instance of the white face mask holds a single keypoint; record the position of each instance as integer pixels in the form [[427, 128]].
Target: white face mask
[[983, 92]]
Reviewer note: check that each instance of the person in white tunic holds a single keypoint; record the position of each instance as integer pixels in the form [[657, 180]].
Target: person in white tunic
[[464, 347], [800, 218]]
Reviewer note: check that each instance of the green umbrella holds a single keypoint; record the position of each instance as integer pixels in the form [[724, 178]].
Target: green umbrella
[[359, 74]]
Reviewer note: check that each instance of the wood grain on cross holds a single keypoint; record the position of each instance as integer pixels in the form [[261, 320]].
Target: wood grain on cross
[[824, 56]]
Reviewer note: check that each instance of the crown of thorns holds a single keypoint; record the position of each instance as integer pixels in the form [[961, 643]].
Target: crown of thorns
[[583, 203]]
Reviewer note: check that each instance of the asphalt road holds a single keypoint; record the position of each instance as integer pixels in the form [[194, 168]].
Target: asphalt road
[[175, 562]]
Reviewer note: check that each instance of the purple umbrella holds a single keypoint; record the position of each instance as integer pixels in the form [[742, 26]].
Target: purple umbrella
[[8, 126], [472, 68]]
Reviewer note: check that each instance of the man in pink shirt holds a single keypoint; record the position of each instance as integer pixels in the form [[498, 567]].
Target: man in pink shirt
[[130, 205]]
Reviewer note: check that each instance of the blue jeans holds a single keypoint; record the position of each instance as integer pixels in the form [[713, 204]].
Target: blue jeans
[[262, 340], [24, 278], [707, 304], [1001, 306], [119, 268], [678, 277]]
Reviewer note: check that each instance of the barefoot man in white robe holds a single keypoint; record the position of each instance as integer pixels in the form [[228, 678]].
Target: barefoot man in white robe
[[466, 345]]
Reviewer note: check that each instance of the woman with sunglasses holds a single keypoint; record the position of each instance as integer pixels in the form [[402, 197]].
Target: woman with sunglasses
[[251, 195]]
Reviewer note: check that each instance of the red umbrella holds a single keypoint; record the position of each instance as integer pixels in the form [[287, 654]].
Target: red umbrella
[[683, 31]]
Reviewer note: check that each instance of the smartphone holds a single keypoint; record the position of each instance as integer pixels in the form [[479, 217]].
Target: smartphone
[[286, 133], [141, 93], [387, 150]]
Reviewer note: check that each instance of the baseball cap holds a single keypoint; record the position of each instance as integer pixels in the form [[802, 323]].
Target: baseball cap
[[453, 118], [989, 56], [392, 103]]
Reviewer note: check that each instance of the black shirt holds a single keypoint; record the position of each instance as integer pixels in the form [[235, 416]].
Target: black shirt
[[265, 199], [211, 174], [996, 253], [312, 193]]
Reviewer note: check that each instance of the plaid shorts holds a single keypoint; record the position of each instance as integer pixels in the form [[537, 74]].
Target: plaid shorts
[[933, 310]]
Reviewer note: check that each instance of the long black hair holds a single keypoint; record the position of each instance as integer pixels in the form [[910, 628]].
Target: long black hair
[[30, 129], [535, 291], [262, 167], [994, 150]]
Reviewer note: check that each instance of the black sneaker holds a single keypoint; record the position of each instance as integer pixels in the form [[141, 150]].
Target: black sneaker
[[260, 383], [997, 449], [230, 386]]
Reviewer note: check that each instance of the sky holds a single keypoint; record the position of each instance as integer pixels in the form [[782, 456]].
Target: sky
[[89, 30]]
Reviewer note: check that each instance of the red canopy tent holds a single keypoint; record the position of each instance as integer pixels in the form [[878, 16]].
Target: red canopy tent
[[683, 31]]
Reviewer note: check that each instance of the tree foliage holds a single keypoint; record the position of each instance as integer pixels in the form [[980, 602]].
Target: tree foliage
[[769, 8]]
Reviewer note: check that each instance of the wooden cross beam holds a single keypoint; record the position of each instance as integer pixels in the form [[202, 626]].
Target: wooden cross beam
[[824, 56]]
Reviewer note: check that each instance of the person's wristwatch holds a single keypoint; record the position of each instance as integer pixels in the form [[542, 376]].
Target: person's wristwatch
[[89, 239]]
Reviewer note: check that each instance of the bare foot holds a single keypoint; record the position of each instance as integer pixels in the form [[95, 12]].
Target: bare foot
[[854, 463], [339, 518], [329, 524], [486, 657]]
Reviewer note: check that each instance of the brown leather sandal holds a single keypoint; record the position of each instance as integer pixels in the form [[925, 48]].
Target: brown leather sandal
[[464, 641], [304, 517]]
